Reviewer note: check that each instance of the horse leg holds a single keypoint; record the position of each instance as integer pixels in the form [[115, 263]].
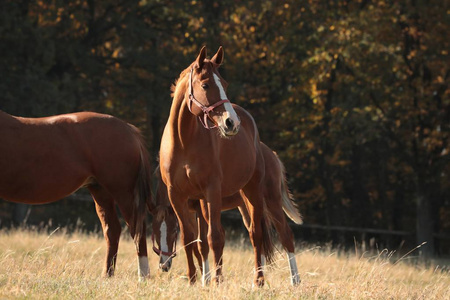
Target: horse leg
[[254, 203], [187, 235], [285, 235], [126, 208], [216, 234], [203, 246], [246, 219], [196, 250], [106, 211]]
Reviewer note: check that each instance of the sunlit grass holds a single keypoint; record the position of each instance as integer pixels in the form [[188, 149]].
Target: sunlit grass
[[60, 265]]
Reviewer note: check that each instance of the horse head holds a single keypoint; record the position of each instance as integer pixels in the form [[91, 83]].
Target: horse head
[[164, 236], [206, 95], [164, 225]]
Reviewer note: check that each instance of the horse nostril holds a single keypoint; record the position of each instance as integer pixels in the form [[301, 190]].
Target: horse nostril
[[229, 123]]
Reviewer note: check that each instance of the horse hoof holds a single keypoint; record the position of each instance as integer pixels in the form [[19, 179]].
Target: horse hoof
[[206, 280], [259, 282], [295, 280], [192, 279], [218, 280]]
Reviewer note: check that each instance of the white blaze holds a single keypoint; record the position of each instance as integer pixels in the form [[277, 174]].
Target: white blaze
[[164, 246], [229, 110]]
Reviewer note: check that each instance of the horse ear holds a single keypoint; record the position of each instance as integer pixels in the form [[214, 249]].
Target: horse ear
[[200, 58], [218, 57]]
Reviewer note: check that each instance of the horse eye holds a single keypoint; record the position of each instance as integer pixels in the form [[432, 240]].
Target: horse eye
[[205, 86]]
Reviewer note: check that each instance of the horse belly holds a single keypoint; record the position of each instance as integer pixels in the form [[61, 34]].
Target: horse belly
[[30, 178], [44, 189]]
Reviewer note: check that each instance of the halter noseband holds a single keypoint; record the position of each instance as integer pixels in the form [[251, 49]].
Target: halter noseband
[[206, 109], [159, 252]]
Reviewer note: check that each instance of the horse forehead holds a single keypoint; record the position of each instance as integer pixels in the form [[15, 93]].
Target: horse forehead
[[208, 71]]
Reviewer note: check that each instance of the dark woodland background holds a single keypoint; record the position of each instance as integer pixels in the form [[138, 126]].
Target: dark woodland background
[[353, 95]]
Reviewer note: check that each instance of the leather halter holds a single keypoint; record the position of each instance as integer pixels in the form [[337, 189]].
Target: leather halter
[[159, 252], [206, 109]]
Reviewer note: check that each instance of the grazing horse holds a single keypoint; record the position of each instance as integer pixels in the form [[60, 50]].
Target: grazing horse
[[45, 159], [276, 196], [210, 150]]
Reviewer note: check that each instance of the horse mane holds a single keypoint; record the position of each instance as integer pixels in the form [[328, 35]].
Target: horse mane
[[175, 84]]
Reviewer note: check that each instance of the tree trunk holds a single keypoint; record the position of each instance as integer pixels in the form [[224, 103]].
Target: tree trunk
[[425, 224]]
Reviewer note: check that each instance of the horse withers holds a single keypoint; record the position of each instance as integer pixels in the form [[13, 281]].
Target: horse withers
[[277, 199], [45, 159], [210, 149]]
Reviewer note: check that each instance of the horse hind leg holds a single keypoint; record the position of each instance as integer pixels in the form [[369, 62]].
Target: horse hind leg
[[259, 234], [284, 233], [246, 219], [106, 211], [125, 202]]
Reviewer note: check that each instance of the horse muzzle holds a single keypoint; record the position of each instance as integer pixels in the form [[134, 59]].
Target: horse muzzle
[[231, 128], [229, 124], [165, 263]]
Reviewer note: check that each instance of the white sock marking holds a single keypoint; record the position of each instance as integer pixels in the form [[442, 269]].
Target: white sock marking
[[206, 276], [295, 277], [143, 268]]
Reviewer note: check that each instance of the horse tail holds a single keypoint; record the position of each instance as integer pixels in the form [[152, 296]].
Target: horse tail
[[267, 225], [142, 191], [289, 207]]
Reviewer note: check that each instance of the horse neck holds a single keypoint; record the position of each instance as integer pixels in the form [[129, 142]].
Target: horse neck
[[184, 125]]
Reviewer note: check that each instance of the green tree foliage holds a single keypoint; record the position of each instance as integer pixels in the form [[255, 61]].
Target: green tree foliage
[[353, 95]]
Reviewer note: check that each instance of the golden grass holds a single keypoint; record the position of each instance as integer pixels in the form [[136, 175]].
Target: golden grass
[[68, 266]]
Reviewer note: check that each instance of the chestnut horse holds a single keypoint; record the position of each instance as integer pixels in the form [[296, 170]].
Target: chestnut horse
[[276, 196], [45, 159], [210, 150]]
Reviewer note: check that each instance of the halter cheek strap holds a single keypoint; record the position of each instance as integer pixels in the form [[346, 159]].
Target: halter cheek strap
[[205, 109]]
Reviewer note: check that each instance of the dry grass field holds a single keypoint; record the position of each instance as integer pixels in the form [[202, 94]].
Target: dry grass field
[[68, 266]]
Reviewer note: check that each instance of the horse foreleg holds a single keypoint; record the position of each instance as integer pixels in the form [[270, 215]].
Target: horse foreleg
[[104, 205], [203, 246], [196, 250], [187, 235], [216, 235]]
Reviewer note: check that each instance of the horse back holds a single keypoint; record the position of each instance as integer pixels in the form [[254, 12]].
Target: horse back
[[45, 159]]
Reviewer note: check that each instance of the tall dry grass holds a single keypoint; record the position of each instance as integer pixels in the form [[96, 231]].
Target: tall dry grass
[[68, 266]]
